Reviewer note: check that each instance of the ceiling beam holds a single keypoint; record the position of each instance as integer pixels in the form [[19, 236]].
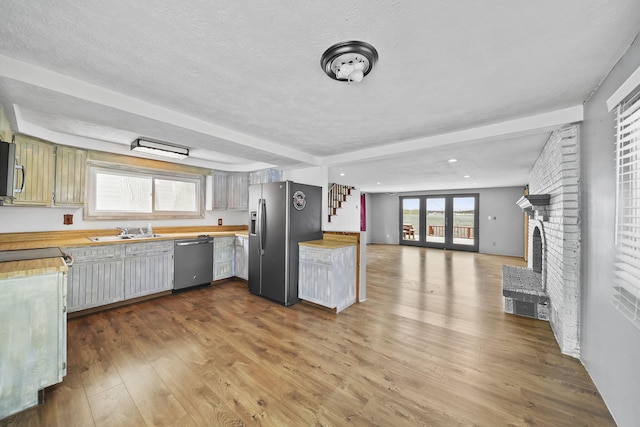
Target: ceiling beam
[[50, 80], [530, 125]]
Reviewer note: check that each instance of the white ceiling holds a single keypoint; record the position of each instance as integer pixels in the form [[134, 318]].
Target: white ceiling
[[240, 82]]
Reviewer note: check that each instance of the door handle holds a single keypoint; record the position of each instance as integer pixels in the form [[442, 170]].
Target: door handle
[[201, 242], [21, 189], [262, 212]]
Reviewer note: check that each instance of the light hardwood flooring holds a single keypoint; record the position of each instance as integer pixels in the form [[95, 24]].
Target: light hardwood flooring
[[430, 346]]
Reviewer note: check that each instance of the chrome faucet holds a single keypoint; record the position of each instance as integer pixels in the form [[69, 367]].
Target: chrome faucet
[[123, 230], [141, 231]]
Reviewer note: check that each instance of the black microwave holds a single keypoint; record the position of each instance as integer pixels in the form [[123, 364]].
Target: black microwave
[[8, 169]]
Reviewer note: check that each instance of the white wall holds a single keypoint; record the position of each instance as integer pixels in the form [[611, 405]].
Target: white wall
[[609, 343], [502, 236], [384, 223], [347, 217]]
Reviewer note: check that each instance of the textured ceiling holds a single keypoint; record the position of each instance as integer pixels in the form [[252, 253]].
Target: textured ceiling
[[240, 82]]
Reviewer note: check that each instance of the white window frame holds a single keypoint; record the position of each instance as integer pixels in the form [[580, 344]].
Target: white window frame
[[626, 286], [93, 168]]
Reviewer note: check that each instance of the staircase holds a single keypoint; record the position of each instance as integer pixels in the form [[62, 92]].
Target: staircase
[[338, 194]]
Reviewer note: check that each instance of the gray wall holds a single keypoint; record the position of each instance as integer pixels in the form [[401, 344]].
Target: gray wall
[[610, 344], [504, 236], [384, 221]]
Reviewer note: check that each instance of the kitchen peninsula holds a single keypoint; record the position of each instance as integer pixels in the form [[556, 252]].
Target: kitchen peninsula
[[327, 272]]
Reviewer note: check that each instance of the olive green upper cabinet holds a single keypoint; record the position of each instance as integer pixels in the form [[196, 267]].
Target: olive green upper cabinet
[[70, 177], [37, 160]]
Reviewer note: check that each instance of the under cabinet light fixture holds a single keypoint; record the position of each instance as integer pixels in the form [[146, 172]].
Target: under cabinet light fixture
[[159, 149]]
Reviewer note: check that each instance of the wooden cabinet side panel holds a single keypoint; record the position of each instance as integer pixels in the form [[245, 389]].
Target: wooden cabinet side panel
[[344, 277], [30, 360]]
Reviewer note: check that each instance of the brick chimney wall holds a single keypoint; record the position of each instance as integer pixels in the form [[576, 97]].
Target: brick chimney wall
[[556, 172]]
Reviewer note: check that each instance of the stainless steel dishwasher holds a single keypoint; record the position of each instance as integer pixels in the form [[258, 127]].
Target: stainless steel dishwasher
[[193, 262]]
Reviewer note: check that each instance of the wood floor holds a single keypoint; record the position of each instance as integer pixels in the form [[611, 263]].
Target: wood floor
[[430, 346]]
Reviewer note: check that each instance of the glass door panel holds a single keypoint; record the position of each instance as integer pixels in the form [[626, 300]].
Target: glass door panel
[[410, 219], [435, 220], [464, 221]]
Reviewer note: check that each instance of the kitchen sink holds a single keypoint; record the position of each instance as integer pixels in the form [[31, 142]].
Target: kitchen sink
[[124, 237]]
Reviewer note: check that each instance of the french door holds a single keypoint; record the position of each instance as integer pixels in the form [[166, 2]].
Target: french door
[[443, 221]]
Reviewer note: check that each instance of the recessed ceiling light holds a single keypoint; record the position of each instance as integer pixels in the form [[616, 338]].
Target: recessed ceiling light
[[377, 183], [467, 176], [452, 160], [342, 174]]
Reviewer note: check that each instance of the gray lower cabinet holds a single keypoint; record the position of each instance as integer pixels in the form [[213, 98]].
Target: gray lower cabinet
[[148, 268], [242, 257], [102, 275], [33, 338], [223, 254], [327, 275], [96, 277]]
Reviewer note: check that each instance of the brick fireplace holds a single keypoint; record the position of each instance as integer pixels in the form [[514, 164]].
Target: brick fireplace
[[554, 239], [524, 289]]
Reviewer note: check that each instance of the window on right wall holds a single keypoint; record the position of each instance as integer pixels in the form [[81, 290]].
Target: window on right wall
[[626, 295]]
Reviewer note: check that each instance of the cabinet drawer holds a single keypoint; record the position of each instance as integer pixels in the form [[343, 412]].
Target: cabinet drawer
[[321, 256], [149, 247], [91, 253]]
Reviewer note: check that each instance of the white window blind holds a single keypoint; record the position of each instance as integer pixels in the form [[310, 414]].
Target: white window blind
[[626, 295]]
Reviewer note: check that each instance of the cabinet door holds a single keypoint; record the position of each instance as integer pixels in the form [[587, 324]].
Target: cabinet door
[[94, 284], [32, 338], [223, 254], [242, 258], [238, 191], [148, 268], [96, 277], [70, 176], [220, 190], [36, 157]]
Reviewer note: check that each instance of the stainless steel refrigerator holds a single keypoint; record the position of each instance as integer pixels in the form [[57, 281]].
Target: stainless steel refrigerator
[[281, 215]]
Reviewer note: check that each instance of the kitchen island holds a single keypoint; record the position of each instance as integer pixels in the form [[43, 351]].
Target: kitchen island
[[327, 273]]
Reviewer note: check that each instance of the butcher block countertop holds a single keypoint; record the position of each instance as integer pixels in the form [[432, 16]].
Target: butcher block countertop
[[62, 239], [32, 267], [327, 244]]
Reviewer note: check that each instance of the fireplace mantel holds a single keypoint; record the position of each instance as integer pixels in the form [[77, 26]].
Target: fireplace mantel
[[535, 204]]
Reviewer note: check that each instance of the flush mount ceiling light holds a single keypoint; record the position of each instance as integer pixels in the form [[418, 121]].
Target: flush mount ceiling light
[[159, 149], [349, 61]]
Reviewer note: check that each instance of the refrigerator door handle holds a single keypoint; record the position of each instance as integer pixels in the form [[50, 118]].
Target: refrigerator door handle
[[261, 224]]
